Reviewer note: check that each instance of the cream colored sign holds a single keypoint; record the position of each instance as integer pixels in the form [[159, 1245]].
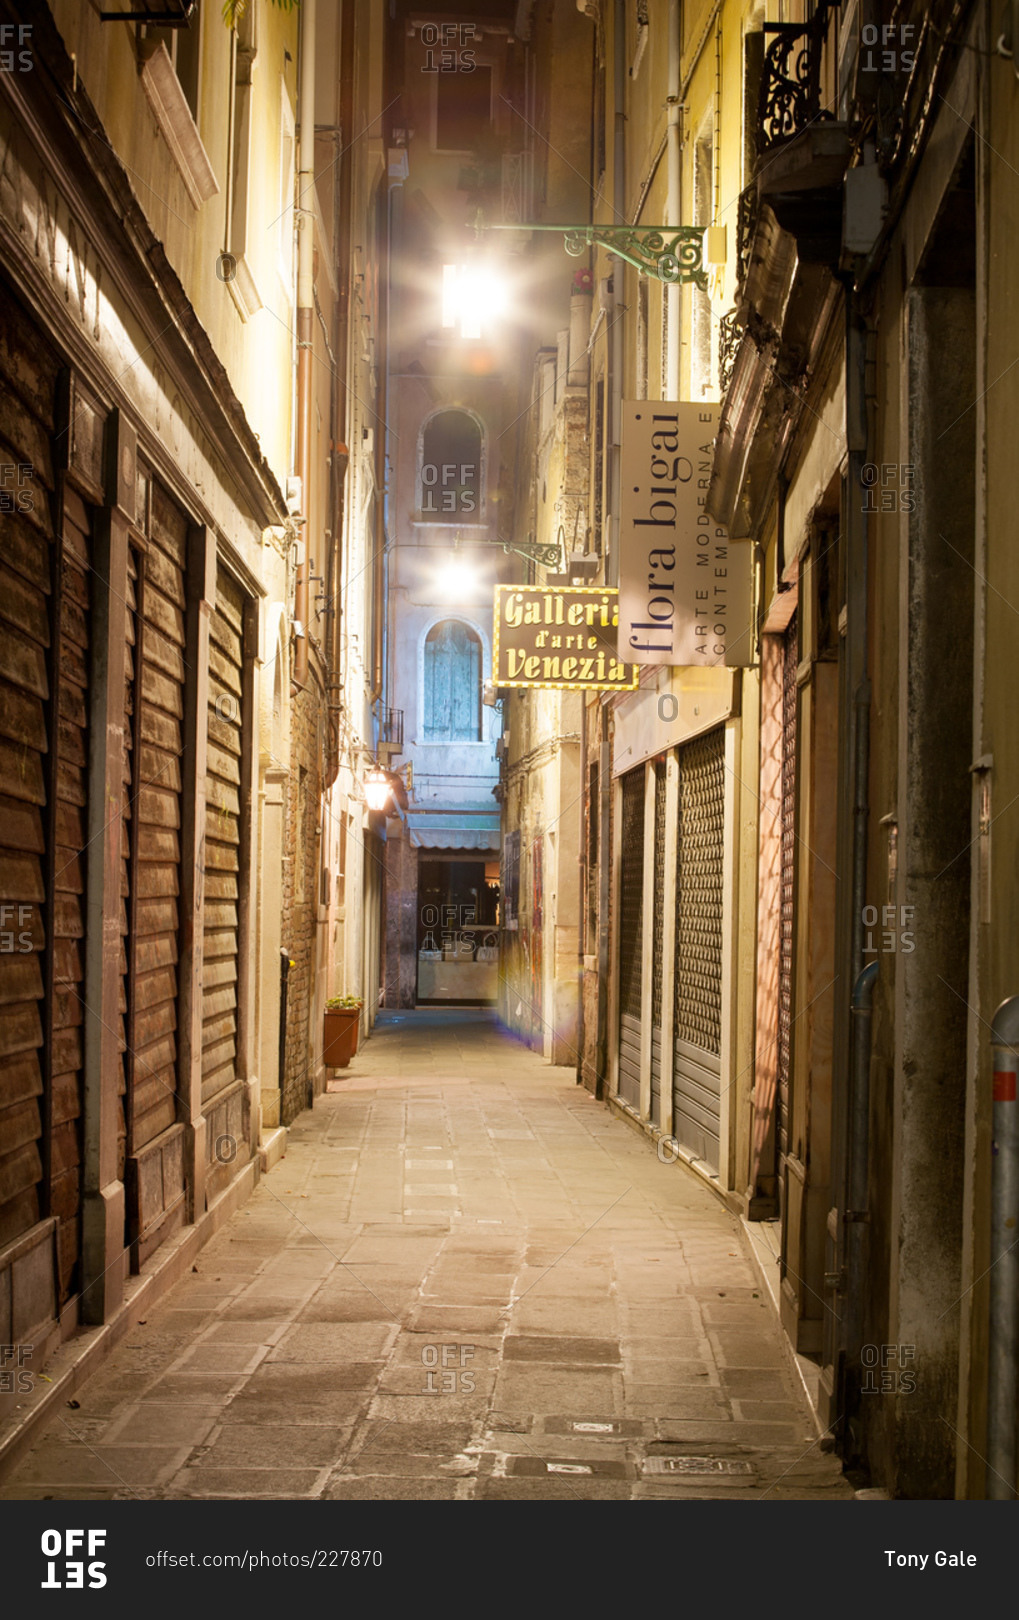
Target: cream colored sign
[[685, 592]]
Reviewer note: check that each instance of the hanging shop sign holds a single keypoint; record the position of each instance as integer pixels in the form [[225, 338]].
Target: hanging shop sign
[[685, 591], [544, 636]]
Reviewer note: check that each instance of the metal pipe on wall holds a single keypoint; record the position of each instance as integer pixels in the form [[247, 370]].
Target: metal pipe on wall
[[673, 181], [305, 313], [618, 274]]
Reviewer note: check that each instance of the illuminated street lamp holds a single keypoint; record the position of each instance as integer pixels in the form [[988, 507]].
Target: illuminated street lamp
[[377, 789], [379, 784], [472, 294]]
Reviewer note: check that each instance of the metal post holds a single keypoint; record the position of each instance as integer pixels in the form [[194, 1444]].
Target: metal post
[[1004, 1269]]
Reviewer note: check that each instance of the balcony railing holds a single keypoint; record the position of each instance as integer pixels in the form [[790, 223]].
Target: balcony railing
[[730, 335], [791, 96], [391, 727], [746, 224]]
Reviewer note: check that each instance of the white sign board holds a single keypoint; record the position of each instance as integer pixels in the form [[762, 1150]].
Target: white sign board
[[685, 591]]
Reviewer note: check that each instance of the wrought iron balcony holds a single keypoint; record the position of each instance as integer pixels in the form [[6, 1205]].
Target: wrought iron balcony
[[791, 96], [746, 224], [391, 727], [730, 335]]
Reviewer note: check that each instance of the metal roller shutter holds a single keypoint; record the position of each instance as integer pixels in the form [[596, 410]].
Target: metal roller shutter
[[657, 986], [631, 910], [698, 963]]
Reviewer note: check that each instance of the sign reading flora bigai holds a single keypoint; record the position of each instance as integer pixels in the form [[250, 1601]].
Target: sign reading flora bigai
[[685, 592], [545, 636]]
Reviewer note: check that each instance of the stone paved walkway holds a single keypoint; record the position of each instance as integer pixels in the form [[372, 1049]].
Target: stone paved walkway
[[467, 1280]]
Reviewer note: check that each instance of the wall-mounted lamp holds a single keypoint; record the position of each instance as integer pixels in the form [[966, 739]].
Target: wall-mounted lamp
[[379, 784]]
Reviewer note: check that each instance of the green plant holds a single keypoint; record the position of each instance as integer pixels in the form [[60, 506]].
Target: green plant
[[343, 1003]]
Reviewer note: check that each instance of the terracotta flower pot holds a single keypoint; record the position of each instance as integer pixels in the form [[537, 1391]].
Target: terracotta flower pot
[[339, 1036]]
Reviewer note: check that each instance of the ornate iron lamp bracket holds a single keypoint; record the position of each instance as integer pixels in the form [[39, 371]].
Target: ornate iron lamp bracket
[[534, 551], [669, 253]]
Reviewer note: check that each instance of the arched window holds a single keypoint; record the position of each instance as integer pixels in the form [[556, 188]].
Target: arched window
[[451, 468], [452, 683]]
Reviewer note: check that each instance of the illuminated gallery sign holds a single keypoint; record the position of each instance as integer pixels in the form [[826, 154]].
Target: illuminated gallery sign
[[685, 591], [544, 636]]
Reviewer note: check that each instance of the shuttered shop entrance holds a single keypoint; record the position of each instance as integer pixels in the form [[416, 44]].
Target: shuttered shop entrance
[[658, 968], [45, 583], [223, 1094], [631, 909], [158, 674], [696, 1078]]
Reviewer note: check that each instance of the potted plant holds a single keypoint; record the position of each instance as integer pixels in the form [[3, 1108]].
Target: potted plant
[[339, 1032]]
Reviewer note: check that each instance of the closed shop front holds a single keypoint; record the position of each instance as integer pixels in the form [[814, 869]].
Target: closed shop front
[[630, 910], [670, 865], [159, 678], [126, 705], [45, 655], [697, 982], [225, 849], [659, 976]]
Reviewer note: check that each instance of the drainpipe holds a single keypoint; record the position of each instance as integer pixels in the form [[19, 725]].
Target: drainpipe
[[305, 314], [616, 344], [1004, 1268], [673, 203], [856, 1212], [612, 558], [340, 457]]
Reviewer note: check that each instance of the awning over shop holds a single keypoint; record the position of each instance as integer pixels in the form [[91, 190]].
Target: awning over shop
[[451, 831]]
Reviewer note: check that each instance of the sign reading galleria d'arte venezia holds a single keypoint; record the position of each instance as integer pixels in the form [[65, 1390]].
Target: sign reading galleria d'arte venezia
[[544, 636], [685, 591]]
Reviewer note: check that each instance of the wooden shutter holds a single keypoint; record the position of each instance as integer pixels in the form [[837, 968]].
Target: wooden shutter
[[222, 841], [25, 642], [44, 676], [69, 882], [223, 1094], [155, 1146]]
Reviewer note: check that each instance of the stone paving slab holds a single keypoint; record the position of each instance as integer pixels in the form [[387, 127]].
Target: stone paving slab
[[465, 1281]]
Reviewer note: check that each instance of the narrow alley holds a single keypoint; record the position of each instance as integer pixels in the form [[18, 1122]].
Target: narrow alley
[[466, 1280], [509, 780]]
